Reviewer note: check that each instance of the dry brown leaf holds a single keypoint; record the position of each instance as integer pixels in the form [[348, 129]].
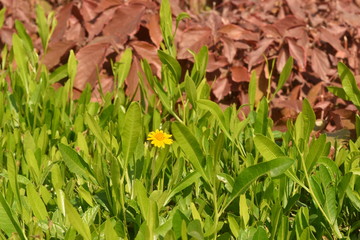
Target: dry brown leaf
[[147, 51], [240, 74], [229, 50], [298, 53], [320, 63], [220, 88], [90, 58], [125, 23], [55, 52], [193, 38], [236, 32]]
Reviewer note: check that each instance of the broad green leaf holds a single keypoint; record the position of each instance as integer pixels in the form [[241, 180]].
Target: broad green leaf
[[316, 150], [252, 89], [260, 234], [189, 145], [244, 209], [285, 74], [309, 119], [74, 161], [274, 167], [330, 205], [190, 89], [142, 199], [261, 121], [122, 67], [234, 226], [132, 130], [339, 92], [316, 189], [37, 205], [171, 63], [76, 221], [268, 149], [96, 130], [8, 220], [186, 182], [349, 84], [217, 113], [194, 230], [110, 233]]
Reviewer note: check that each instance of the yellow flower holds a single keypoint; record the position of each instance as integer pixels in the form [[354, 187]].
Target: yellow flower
[[159, 138]]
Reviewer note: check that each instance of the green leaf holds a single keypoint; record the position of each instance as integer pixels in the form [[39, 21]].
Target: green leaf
[[74, 161], [260, 234], [217, 113], [166, 26], [234, 226], [122, 67], [171, 63], [189, 145], [2, 16], [199, 69], [76, 221], [132, 130], [285, 74], [190, 89], [274, 167], [261, 121], [186, 182], [316, 150], [72, 66], [96, 130], [252, 89], [43, 27], [349, 84], [37, 205], [8, 220], [339, 92], [308, 118], [194, 230], [268, 149]]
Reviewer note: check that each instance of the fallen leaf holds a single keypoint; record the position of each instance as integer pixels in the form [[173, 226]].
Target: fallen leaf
[[90, 58]]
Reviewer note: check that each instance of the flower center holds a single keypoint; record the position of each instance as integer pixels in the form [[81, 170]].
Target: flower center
[[159, 136]]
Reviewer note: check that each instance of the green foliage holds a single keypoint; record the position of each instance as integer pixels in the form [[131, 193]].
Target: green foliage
[[76, 169]]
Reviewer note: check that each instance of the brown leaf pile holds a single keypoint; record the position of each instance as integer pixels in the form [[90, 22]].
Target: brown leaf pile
[[241, 35]]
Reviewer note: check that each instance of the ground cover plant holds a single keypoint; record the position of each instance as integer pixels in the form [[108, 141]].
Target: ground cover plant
[[172, 165]]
